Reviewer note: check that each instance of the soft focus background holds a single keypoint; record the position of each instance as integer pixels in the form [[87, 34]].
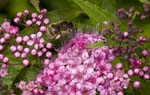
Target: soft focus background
[[64, 9]]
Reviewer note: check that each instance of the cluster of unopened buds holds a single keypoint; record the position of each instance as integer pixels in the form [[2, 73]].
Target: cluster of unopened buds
[[33, 44], [7, 31], [129, 14], [37, 19], [14, 43], [29, 88]]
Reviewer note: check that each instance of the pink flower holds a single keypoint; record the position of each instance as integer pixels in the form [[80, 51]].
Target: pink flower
[[78, 69], [6, 25], [22, 85], [13, 30], [27, 93], [135, 62], [3, 72]]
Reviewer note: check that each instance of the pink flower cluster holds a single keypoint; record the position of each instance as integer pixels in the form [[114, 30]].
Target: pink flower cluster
[[83, 71], [29, 88], [6, 32], [32, 44], [37, 19], [21, 46]]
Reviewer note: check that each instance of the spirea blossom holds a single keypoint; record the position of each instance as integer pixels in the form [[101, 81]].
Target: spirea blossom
[[79, 70]]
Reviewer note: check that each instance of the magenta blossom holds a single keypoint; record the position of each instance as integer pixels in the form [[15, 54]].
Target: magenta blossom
[[81, 71]]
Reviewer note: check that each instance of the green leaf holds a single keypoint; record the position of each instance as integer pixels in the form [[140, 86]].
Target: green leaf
[[111, 6], [35, 3], [63, 14], [96, 45], [95, 13], [146, 30], [144, 1]]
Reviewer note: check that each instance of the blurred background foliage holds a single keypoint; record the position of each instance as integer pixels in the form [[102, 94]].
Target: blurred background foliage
[[69, 10], [82, 16]]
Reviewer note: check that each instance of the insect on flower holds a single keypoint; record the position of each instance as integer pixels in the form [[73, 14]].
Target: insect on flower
[[61, 29]]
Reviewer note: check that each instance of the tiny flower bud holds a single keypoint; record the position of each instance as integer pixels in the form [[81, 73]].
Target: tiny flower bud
[[40, 17], [142, 38], [34, 20], [19, 48], [19, 39], [39, 34], [7, 36], [2, 40], [145, 68], [39, 53], [43, 29], [17, 20], [38, 23], [119, 66], [125, 34], [130, 72], [13, 48], [19, 14], [5, 59], [141, 73], [41, 45], [25, 38], [146, 76], [30, 42], [28, 22], [1, 47], [23, 55], [1, 56], [46, 61], [36, 46], [4, 65], [33, 52], [49, 45], [136, 70], [26, 50], [33, 36], [34, 15], [46, 21], [120, 93], [25, 62], [136, 84], [110, 75], [144, 52], [44, 50], [48, 54], [17, 54], [44, 11], [26, 12]]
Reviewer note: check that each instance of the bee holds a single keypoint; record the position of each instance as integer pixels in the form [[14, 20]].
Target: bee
[[62, 29]]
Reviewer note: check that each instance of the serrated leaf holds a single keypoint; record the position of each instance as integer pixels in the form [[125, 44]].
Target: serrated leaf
[[95, 13], [35, 3], [63, 14], [96, 45]]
